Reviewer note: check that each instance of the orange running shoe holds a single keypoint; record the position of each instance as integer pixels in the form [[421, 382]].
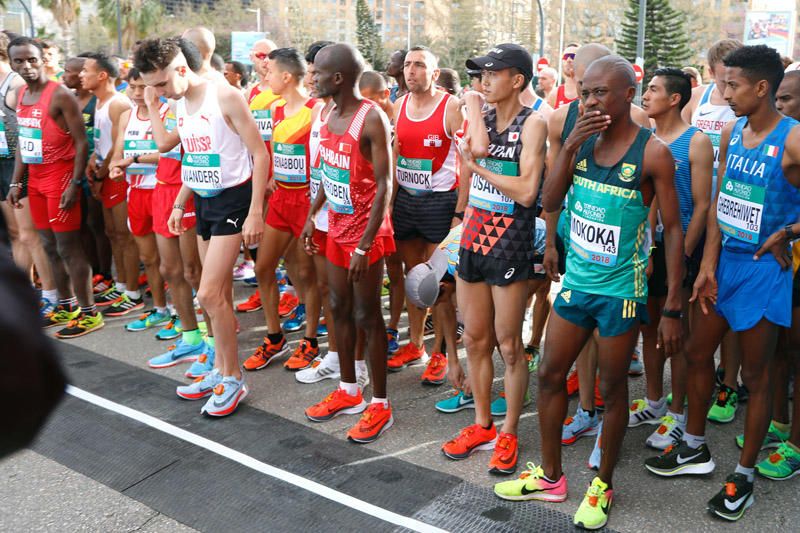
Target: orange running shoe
[[504, 459], [375, 420], [436, 370], [302, 357], [287, 304], [336, 403], [470, 440], [408, 355], [265, 354], [252, 304], [572, 383]]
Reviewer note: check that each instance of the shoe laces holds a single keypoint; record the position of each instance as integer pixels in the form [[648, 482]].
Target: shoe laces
[[532, 471], [504, 442], [502, 394], [254, 297], [668, 449], [666, 423], [594, 493], [437, 361], [304, 351], [171, 347], [638, 405], [219, 389], [730, 489]]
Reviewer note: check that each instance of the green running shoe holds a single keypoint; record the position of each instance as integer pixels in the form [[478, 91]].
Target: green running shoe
[[532, 485], [81, 326], [723, 410], [596, 504], [147, 320], [60, 316], [773, 439], [534, 357], [784, 463]]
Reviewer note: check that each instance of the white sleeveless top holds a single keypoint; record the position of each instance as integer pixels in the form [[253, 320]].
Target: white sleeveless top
[[321, 220], [215, 158], [710, 119], [103, 127], [139, 141]]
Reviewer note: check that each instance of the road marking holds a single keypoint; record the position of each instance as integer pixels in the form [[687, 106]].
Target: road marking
[[245, 460], [393, 454]]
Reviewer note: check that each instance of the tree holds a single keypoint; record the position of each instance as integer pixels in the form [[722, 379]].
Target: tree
[[666, 40], [458, 34], [65, 12], [138, 18], [367, 36]]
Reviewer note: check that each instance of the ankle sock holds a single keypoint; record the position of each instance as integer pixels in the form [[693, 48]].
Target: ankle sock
[[89, 310], [68, 303], [133, 295], [681, 418], [50, 296], [383, 401], [275, 338], [350, 388], [694, 441], [657, 405], [162, 310], [783, 428], [210, 341], [192, 337], [313, 342], [121, 287], [749, 472]]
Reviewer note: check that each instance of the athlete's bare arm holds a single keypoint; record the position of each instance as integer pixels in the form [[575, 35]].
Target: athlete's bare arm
[[791, 157], [639, 116], [70, 112], [476, 136], [116, 171], [115, 110], [555, 127], [455, 120], [701, 161], [551, 98], [395, 153], [165, 140]]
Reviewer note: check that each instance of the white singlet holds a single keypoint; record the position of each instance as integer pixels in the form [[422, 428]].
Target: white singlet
[[710, 119], [321, 220], [139, 141], [103, 127]]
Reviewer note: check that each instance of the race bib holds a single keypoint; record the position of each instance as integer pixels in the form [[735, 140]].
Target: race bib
[[315, 182], [289, 162], [414, 175], [202, 174], [594, 232], [336, 183], [133, 148], [3, 141], [30, 144], [739, 210], [484, 195], [264, 122], [170, 124]]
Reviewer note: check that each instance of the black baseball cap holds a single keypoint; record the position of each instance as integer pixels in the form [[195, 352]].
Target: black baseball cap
[[503, 56]]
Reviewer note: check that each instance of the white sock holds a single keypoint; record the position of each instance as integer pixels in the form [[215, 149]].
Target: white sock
[[121, 287], [361, 367], [657, 405], [748, 472], [350, 388], [51, 296], [680, 418], [332, 359], [694, 441], [162, 310], [384, 401], [133, 295]]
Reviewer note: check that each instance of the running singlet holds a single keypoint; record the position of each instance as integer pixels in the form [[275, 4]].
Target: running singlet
[[315, 176], [608, 230], [710, 119], [494, 224], [41, 139], [215, 158], [561, 97], [168, 170], [260, 103], [103, 127], [426, 160], [290, 151], [348, 180], [139, 141], [88, 121], [683, 175], [755, 200], [8, 121]]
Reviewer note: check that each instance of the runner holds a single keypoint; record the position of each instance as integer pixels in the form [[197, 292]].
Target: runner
[[668, 91], [426, 201], [354, 151], [547, 80], [567, 91], [396, 69], [52, 157], [206, 43], [216, 132], [613, 168], [756, 205], [496, 256], [236, 74], [52, 61]]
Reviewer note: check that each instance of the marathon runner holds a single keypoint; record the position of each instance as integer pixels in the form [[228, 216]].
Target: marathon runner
[[206, 43], [216, 133], [354, 152], [46, 112], [396, 70], [756, 207], [496, 256], [567, 91], [613, 169]]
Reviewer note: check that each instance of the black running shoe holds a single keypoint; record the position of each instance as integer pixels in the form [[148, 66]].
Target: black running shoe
[[733, 500], [429, 325], [124, 305], [681, 459]]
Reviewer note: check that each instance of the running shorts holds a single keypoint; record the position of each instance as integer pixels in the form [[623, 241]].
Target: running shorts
[[657, 282], [47, 215], [223, 214], [164, 196], [341, 254], [287, 210], [477, 268], [140, 211], [610, 315], [425, 216], [796, 290], [751, 290], [113, 192], [320, 238]]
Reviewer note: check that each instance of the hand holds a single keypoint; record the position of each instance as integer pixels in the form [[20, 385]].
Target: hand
[[151, 98], [456, 376], [550, 263], [253, 229], [13, 197], [777, 243], [472, 98], [359, 264], [670, 335], [588, 124], [116, 173], [123, 163], [69, 197], [102, 173], [175, 222], [271, 186], [307, 238], [455, 221], [705, 288], [91, 169], [464, 146]]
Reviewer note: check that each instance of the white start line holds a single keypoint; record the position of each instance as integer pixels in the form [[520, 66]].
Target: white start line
[[245, 460]]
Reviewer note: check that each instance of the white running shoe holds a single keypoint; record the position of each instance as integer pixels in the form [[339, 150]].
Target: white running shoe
[[326, 367]]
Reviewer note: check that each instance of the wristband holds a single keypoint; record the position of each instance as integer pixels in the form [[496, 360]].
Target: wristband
[[176, 206], [136, 159], [459, 215], [790, 234], [360, 252], [671, 314], [11, 185], [77, 183]]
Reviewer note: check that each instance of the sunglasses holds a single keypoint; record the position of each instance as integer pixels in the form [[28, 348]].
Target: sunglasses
[[569, 55], [261, 55]]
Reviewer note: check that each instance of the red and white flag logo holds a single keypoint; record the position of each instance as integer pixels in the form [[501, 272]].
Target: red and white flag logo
[[513, 136], [344, 148], [36, 112]]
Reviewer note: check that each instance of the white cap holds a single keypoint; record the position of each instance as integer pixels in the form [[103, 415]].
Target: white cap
[[422, 281]]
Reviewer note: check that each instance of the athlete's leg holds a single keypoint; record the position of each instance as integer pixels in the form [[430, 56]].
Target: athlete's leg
[[479, 340], [273, 245], [707, 332], [341, 299], [794, 340], [320, 263], [654, 358], [116, 247], [541, 310], [21, 253], [57, 267], [307, 278], [731, 360], [782, 370], [678, 361], [148, 253], [413, 252], [397, 292], [129, 253], [96, 225], [444, 320], [369, 319], [29, 239], [509, 312], [172, 269], [70, 249], [586, 365]]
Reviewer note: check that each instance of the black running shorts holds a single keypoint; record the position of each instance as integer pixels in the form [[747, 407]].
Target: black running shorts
[[223, 214], [426, 216], [475, 268]]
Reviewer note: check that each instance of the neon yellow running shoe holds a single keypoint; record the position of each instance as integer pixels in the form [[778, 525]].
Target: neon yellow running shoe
[[594, 509], [81, 326]]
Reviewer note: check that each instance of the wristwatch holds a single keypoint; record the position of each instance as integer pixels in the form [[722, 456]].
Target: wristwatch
[[790, 234], [670, 313], [136, 159]]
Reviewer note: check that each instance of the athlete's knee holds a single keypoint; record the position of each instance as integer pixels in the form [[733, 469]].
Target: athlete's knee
[[28, 238], [511, 350], [341, 307], [614, 390], [211, 298], [265, 272], [552, 375], [477, 341], [192, 272], [755, 377], [171, 272]]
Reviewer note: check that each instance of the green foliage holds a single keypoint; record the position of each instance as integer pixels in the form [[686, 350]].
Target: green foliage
[[367, 37], [138, 19]]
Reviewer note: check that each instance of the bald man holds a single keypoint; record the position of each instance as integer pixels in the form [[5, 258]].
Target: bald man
[[613, 168], [206, 43]]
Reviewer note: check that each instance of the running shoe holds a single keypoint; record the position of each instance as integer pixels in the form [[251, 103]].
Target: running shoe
[[386, 288], [227, 396], [393, 338], [287, 304], [362, 378], [124, 305], [532, 485], [336, 403], [733, 500], [459, 332], [534, 357], [471, 439], [302, 357], [773, 439], [60, 316], [251, 305], [408, 355], [376, 419], [719, 376], [580, 425], [636, 368], [244, 270], [743, 392], [597, 451], [326, 367], [640, 413], [107, 297], [82, 325], [296, 320], [457, 402], [322, 329], [723, 410], [265, 354], [436, 370], [204, 363], [506, 453], [171, 330], [149, 319], [572, 383], [499, 407], [101, 284], [251, 282], [783, 464], [46, 307], [593, 511], [428, 325], [669, 432], [201, 387], [681, 459], [282, 279], [177, 353]]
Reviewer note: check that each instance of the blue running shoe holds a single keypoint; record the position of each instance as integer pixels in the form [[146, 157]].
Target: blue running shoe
[[296, 320], [171, 330], [282, 279], [203, 365], [597, 452], [580, 425], [227, 395], [252, 282], [147, 320], [393, 338], [636, 367], [46, 307], [457, 402], [322, 329], [177, 353], [499, 406], [201, 387]]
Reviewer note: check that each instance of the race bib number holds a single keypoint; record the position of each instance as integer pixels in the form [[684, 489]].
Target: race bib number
[[594, 232], [315, 182], [202, 174], [289, 162], [3, 141], [414, 175], [336, 183], [30, 144], [170, 124], [264, 122], [133, 148], [739, 210], [484, 195]]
